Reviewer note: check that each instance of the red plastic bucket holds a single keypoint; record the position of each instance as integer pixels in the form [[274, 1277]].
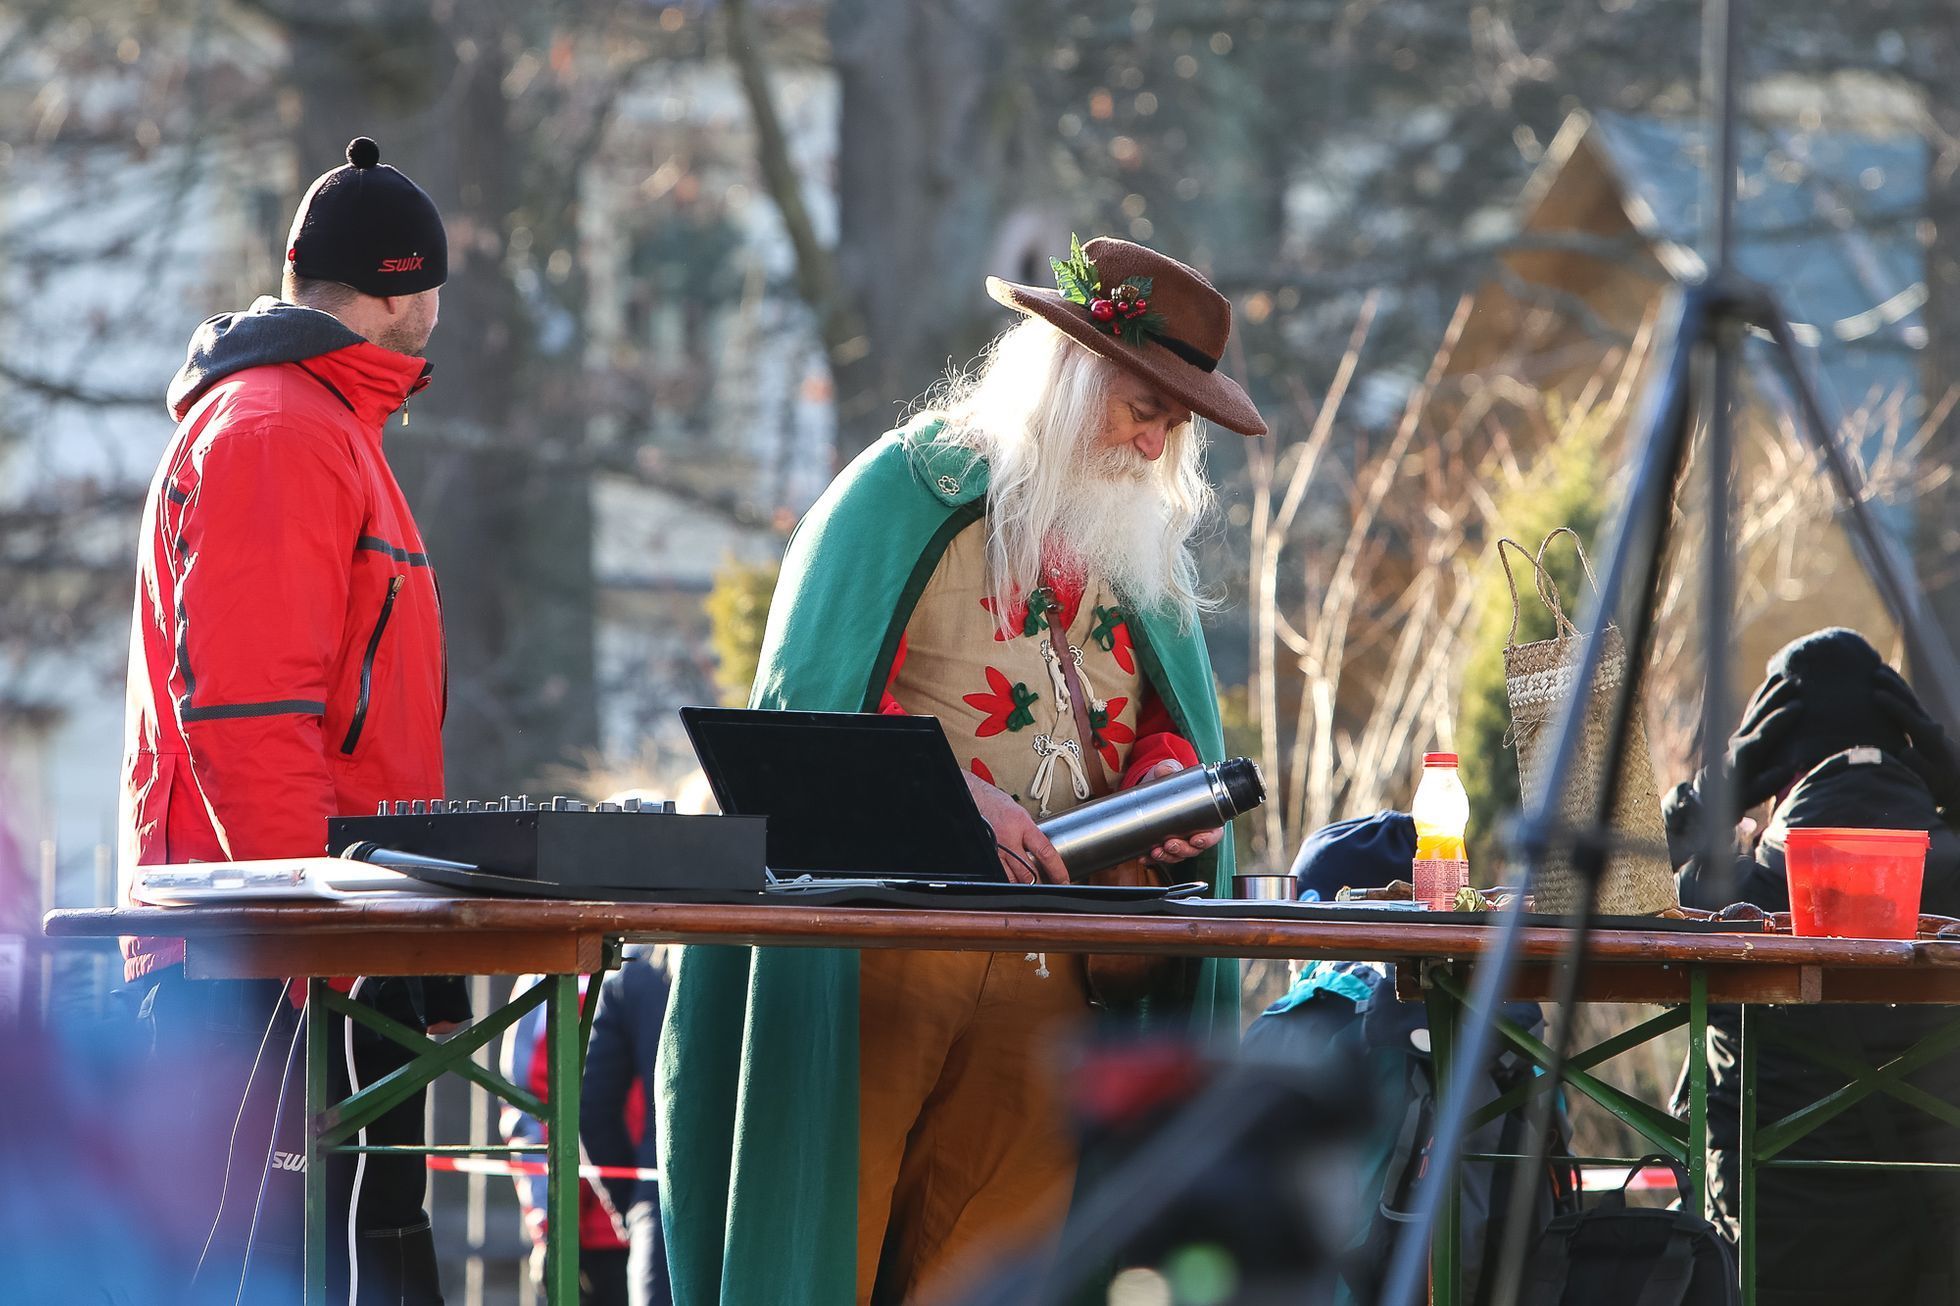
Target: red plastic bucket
[[1855, 884]]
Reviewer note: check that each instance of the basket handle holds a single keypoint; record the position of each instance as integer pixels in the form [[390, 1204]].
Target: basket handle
[[1547, 592], [1578, 547]]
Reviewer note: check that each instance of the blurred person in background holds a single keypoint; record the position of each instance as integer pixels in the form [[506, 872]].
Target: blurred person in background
[[602, 1242], [615, 1110], [1833, 737]]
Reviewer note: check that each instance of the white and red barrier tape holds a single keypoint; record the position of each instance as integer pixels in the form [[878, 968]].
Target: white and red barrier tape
[[1593, 1178], [492, 1165], [1605, 1178]]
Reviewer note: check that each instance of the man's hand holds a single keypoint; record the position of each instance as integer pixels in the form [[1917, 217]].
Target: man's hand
[[1024, 849], [1179, 848]]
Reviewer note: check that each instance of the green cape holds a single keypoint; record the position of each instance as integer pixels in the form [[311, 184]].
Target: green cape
[[758, 1110]]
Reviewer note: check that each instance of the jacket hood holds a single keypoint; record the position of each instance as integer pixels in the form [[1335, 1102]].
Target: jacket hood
[[270, 331]]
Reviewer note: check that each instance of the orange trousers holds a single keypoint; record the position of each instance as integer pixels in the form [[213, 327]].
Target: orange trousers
[[965, 1155]]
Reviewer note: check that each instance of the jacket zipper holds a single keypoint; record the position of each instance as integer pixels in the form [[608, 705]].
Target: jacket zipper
[[367, 666]]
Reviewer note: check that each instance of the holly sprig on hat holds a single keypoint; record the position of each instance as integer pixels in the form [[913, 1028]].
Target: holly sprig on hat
[[1123, 311]]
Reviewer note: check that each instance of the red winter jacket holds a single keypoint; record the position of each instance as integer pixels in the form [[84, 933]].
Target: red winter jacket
[[286, 660]]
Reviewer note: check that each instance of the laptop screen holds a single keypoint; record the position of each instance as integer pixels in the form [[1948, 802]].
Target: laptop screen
[[846, 793]]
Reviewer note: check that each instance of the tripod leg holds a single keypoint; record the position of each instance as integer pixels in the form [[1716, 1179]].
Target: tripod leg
[[1665, 436], [1930, 652], [1632, 568], [1718, 610]]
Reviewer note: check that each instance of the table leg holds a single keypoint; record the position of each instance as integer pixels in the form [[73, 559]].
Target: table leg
[[1445, 1244], [1697, 1196], [1745, 1247], [318, 1025], [562, 1031]]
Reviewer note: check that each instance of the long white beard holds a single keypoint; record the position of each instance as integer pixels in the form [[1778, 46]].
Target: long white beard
[[1114, 523]]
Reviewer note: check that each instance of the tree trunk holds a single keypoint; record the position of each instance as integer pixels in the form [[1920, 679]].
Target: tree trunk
[[506, 514], [928, 165]]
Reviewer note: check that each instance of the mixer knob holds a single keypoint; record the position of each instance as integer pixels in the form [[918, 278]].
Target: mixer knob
[[401, 807], [607, 807], [472, 806], [632, 804], [418, 808], [381, 808]]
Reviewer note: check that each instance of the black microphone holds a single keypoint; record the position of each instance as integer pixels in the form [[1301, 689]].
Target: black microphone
[[373, 853]]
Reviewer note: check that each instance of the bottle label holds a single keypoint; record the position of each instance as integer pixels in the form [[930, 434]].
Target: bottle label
[[1437, 880]]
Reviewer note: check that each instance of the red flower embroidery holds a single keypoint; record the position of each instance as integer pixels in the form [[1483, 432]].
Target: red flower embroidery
[[1120, 650], [1110, 732], [979, 768], [1017, 618], [1008, 707]]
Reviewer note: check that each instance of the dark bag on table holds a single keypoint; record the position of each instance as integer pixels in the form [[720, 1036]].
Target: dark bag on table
[[1617, 1255]]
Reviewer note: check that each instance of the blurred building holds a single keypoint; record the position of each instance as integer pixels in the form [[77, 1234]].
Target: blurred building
[[1829, 217]]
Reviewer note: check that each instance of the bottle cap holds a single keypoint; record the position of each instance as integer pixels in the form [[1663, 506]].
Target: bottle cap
[[1439, 759]]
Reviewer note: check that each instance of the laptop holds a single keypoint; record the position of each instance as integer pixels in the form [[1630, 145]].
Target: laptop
[[860, 796]]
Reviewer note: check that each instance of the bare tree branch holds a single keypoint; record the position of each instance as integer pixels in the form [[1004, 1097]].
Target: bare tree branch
[[816, 267]]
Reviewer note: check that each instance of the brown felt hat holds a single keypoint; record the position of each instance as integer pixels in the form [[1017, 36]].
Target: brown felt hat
[[1175, 347]]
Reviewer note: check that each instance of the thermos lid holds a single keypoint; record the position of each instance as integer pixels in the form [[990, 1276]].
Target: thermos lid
[[1243, 783], [1439, 759]]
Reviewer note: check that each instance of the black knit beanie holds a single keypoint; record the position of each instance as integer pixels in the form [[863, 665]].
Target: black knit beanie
[[368, 226]]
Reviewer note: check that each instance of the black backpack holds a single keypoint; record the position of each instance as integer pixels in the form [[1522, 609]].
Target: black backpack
[[1353, 1005], [1617, 1255]]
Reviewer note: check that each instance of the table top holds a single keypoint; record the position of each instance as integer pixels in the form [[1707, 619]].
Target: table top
[[488, 936]]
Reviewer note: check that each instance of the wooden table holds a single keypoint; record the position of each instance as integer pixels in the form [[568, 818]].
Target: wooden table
[[562, 940]]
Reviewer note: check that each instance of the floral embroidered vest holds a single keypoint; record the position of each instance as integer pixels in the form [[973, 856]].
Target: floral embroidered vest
[[1001, 697]]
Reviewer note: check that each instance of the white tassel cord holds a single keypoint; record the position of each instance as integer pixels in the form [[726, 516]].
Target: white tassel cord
[[1082, 670], [1048, 748], [1056, 680]]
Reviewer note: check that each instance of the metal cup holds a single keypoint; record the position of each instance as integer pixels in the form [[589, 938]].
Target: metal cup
[[1266, 888]]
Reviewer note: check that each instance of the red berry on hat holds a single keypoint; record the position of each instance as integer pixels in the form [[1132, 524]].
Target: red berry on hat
[[1102, 310], [1143, 306]]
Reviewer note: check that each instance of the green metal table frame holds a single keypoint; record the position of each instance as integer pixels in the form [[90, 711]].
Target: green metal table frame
[[331, 1124], [1683, 972], [1446, 990]]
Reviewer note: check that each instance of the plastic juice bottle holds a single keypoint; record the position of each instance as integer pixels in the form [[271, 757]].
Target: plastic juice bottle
[[1442, 813]]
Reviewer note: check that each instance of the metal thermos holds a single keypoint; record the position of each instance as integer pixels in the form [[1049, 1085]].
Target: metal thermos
[[1133, 821]]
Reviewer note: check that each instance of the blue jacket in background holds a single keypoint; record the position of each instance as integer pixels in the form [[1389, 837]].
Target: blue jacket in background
[[625, 1038]]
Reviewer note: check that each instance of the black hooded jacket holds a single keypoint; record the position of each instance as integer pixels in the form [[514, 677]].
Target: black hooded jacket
[[1870, 1236]]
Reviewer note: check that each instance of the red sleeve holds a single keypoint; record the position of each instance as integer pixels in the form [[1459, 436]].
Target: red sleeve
[[1157, 740], [887, 705], [267, 533]]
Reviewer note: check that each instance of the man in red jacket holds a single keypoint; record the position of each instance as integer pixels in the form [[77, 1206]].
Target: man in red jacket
[[286, 665]]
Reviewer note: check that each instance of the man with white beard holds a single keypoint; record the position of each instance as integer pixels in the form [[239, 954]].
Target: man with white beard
[[1016, 562]]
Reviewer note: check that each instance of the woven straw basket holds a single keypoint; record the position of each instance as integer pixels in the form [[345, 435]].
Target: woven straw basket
[[1538, 680]]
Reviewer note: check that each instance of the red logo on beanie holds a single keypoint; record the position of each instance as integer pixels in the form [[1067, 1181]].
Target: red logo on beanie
[[401, 264]]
